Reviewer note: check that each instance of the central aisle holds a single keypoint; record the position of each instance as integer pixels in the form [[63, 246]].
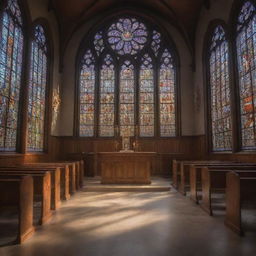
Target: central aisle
[[132, 224]]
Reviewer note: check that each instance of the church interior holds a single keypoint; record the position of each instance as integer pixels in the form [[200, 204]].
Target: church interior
[[127, 127]]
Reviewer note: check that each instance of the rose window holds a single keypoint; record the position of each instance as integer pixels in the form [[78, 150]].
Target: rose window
[[127, 36]]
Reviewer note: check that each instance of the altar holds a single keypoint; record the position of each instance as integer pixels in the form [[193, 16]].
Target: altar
[[125, 167]]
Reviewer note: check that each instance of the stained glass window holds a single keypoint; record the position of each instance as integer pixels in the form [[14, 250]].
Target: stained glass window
[[87, 95], [98, 43], [124, 72], [37, 91], [127, 36], [146, 98], [107, 97], [126, 99], [246, 55], [167, 98], [11, 52], [220, 92], [156, 41]]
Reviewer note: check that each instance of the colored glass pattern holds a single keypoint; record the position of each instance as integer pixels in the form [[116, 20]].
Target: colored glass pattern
[[156, 41], [98, 43], [220, 92], [167, 99], [37, 91], [108, 76], [146, 98], [11, 52], [127, 36], [126, 99], [107, 97], [87, 95], [246, 55]]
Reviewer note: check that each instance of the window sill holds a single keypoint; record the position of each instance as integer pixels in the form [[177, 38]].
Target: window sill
[[10, 154], [35, 153], [14, 154], [252, 152]]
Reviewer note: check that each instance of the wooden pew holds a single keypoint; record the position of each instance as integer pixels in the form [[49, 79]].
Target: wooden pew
[[175, 173], [69, 167], [55, 180], [18, 192], [239, 189], [212, 180], [79, 172], [183, 182], [82, 173], [196, 170], [76, 171], [42, 189]]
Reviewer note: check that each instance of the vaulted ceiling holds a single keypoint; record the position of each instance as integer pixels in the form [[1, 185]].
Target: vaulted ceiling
[[183, 13]]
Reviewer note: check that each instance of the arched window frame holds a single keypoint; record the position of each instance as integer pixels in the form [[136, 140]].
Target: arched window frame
[[208, 97], [237, 7], [101, 63], [21, 123], [48, 89], [176, 90], [88, 44], [154, 95]]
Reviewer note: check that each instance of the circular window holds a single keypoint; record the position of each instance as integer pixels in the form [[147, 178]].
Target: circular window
[[127, 36]]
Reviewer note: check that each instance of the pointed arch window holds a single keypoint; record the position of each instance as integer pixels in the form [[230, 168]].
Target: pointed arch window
[[37, 90], [126, 74], [167, 95], [220, 98], [107, 97], [87, 95], [246, 59], [11, 60], [127, 99], [146, 98]]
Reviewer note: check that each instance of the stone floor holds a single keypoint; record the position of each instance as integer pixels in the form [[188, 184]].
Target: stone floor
[[133, 224]]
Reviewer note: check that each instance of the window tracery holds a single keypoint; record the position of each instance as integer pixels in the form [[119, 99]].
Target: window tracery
[[131, 64]]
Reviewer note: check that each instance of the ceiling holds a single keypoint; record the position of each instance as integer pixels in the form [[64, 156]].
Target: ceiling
[[183, 13]]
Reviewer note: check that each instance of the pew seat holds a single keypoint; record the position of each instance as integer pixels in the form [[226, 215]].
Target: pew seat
[[42, 190], [18, 192], [55, 180], [215, 180], [241, 187]]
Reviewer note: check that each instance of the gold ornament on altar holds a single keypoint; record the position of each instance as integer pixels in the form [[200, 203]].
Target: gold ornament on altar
[[126, 133]]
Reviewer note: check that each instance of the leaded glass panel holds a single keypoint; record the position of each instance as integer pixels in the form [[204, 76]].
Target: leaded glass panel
[[122, 74], [156, 42], [37, 91], [107, 97], [99, 43], [220, 92], [167, 97], [11, 53], [126, 99], [127, 36], [246, 56], [87, 95], [146, 98]]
